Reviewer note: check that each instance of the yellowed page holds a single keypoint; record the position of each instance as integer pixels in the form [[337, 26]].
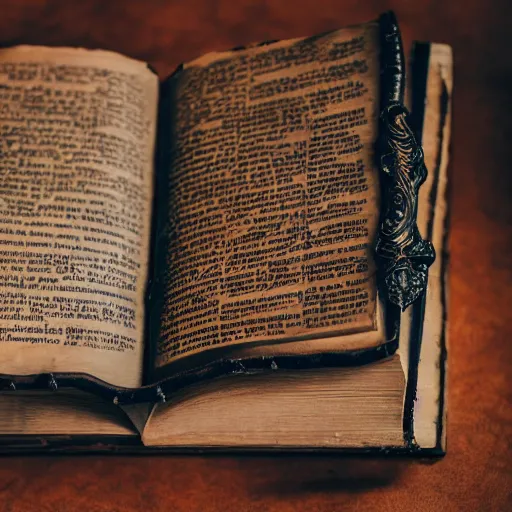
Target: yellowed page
[[66, 412], [77, 137], [318, 408], [273, 195]]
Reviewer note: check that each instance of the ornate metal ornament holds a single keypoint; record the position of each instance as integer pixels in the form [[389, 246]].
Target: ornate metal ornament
[[402, 254]]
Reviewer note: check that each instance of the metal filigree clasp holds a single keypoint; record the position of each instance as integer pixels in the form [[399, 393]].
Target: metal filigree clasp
[[402, 254]]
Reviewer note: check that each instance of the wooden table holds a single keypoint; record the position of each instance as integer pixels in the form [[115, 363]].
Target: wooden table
[[476, 473]]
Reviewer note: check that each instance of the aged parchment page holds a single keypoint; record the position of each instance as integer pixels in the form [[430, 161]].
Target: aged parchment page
[[273, 196], [77, 136], [318, 408]]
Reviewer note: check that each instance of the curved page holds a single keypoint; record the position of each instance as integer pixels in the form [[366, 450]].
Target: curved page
[[273, 197], [77, 135]]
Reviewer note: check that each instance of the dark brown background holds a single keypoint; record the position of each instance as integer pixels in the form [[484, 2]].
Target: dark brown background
[[476, 473]]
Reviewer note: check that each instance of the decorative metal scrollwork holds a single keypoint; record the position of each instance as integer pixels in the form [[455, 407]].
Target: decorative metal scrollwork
[[403, 256]]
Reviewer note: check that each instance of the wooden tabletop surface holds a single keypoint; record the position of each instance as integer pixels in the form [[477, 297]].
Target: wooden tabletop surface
[[477, 472]]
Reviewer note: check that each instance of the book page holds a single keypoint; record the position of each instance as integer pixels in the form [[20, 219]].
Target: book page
[[77, 136], [65, 412], [344, 407], [273, 195]]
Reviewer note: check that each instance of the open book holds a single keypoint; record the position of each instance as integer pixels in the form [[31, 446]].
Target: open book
[[192, 263]]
